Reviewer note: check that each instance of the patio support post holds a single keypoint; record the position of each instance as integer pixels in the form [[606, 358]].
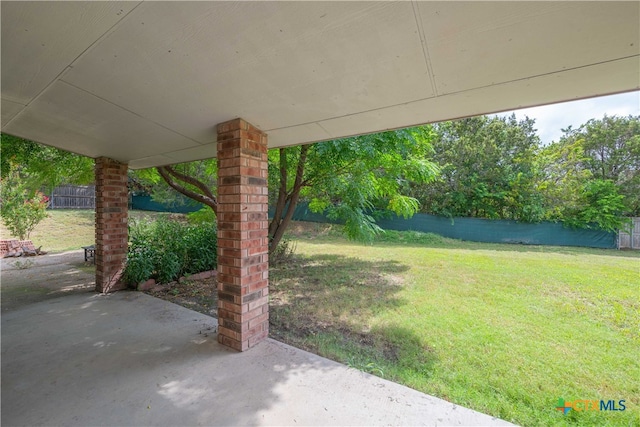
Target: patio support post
[[112, 202], [243, 242]]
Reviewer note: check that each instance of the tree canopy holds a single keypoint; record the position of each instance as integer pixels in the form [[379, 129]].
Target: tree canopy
[[350, 178], [488, 170], [346, 178], [485, 167], [591, 176], [43, 167]]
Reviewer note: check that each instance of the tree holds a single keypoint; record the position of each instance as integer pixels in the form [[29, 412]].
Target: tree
[[600, 206], [611, 151], [347, 178], [562, 176], [591, 176], [196, 180], [21, 209], [43, 167], [488, 170], [351, 178]]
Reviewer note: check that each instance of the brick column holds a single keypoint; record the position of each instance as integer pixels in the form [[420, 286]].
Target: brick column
[[243, 243], [112, 203]]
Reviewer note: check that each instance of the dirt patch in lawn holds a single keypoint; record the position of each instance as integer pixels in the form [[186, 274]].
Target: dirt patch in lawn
[[316, 299], [197, 295]]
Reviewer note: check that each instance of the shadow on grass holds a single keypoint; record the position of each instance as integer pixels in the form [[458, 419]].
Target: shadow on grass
[[327, 304]]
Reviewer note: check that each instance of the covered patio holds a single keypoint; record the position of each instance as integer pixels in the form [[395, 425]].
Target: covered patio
[[143, 84], [130, 359]]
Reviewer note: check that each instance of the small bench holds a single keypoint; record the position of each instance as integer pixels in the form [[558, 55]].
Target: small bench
[[90, 252]]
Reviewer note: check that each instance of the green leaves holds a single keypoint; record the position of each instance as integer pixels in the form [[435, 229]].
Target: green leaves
[[403, 206], [42, 166], [21, 209], [349, 178], [599, 206], [166, 250], [488, 170], [591, 176]]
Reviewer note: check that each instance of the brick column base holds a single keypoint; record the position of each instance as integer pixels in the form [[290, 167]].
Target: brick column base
[[243, 243], [112, 203]]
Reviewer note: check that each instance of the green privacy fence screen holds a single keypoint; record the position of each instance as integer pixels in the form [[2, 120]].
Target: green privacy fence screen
[[484, 230], [144, 203]]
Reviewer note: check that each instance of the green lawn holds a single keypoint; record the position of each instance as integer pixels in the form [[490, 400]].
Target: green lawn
[[503, 329], [66, 230]]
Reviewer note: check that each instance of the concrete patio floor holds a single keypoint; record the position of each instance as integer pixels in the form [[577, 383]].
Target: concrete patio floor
[[127, 359]]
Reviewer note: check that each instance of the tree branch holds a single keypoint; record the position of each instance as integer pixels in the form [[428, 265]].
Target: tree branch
[[167, 173], [190, 180]]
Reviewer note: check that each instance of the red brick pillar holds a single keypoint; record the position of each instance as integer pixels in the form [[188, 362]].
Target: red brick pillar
[[243, 243], [112, 203]]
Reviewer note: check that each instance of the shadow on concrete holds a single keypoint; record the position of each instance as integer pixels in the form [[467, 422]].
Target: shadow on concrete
[[131, 359], [27, 280], [124, 359]]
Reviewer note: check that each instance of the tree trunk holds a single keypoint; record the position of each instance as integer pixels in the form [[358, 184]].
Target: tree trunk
[[279, 223], [282, 193]]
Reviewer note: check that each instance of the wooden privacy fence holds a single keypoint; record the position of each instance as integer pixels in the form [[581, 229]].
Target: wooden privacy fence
[[73, 197], [630, 239]]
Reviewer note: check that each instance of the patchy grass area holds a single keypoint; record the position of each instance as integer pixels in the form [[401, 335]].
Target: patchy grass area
[[66, 230], [503, 329], [197, 295]]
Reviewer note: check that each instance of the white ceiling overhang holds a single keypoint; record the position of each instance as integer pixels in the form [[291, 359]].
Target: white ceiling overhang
[[146, 82]]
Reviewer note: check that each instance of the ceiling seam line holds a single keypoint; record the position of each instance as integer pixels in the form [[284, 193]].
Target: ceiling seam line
[[70, 65], [425, 48], [457, 92], [325, 130], [10, 99], [133, 112]]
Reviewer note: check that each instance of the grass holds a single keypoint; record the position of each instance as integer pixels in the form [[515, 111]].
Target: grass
[[503, 329], [506, 330], [66, 230]]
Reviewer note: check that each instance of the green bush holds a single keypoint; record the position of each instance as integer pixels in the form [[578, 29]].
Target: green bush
[[203, 215], [601, 207], [21, 209], [165, 250]]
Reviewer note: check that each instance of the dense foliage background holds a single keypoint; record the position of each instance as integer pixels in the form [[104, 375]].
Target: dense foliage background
[[483, 167]]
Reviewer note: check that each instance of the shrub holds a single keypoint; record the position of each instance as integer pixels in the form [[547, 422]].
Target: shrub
[[283, 253], [165, 250], [21, 210], [204, 215], [601, 207]]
